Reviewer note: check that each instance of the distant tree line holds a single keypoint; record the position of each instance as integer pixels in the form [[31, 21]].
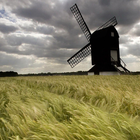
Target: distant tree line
[[51, 74], [12, 73], [135, 73], [71, 73], [8, 74]]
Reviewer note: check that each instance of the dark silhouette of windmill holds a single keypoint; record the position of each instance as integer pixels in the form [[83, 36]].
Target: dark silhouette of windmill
[[103, 46]]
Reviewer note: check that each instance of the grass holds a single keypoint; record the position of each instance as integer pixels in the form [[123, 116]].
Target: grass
[[70, 108]]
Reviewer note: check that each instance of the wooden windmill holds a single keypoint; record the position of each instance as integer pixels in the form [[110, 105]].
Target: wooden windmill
[[103, 45]]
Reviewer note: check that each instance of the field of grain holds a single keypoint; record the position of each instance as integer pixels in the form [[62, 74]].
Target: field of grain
[[70, 108]]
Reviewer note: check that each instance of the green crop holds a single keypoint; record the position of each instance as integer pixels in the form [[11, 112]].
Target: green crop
[[70, 108]]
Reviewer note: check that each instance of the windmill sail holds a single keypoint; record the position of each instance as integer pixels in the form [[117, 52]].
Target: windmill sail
[[80, 55], [76, 12], [110, 22]]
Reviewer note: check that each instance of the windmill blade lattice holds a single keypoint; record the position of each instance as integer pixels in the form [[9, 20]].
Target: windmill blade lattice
[[80, 55], [110, 22], [76, 12]]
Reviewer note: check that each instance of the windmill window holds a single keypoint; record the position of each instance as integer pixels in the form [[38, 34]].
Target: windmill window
[[112, 34], [114, 56]]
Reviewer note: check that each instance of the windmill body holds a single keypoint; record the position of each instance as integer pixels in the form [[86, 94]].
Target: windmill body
[[105, 54], [103, 46]]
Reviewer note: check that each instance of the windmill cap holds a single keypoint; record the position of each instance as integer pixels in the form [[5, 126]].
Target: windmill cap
[[105, 32]]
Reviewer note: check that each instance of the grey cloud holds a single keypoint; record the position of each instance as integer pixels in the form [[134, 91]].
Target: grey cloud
[[60, 32], [38, 28], [130, 60], [123, 52], [11, 60], [125, 40], [32, 45], [7, 29], [96, 12], [13, 40], [17, 40], [134, 49], [2, 43], [45, 30], [46, 13], [137, 33], [36, 12], [104, 2], [136, 30], [23, 45], [126, 12]]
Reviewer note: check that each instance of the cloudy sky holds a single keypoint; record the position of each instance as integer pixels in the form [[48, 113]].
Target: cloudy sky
[[40, 35]]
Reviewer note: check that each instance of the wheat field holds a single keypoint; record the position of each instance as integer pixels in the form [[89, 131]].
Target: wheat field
[[70, 108]]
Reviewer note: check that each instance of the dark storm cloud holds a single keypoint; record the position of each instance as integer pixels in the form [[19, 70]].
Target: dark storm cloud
[[94, 12], [98, 12], [41, 47], [36, 12], [60, 35], [104, 2], [54, 16], [7, 29], [48, 12]]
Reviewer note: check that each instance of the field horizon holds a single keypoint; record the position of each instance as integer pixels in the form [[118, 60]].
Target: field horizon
[[70, 108]]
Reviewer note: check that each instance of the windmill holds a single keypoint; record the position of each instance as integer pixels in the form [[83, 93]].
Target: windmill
[[103, 45]]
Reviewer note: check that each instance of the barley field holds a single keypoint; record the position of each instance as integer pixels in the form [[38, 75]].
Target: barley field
[[70, 108]]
